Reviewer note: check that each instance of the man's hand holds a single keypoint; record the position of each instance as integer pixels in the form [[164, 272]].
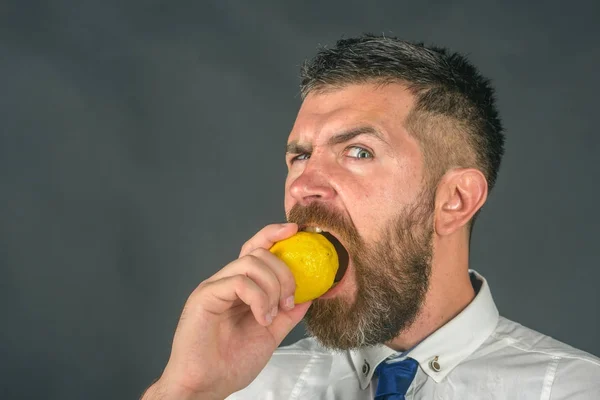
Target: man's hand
[[232, 323]]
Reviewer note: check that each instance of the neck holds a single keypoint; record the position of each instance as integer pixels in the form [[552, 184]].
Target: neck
[[450, 291]]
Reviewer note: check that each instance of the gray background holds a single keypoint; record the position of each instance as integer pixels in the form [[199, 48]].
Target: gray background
[[142, 143]]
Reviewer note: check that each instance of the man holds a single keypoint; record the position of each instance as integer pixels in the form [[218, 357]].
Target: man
[[393, 152]]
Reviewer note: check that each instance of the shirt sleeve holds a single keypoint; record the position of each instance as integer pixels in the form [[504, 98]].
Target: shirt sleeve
[[576, 379]]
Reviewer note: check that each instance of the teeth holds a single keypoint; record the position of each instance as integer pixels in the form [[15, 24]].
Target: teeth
[[314, 229]]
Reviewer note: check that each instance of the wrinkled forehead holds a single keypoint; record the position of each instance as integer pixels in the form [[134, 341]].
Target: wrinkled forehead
[[323, 114]]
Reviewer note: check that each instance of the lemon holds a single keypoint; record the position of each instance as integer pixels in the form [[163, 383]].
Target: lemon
[[313, 262]]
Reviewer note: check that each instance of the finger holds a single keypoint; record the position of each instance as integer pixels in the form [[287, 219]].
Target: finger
[[256, 268], [266, 237], [219, 296], [287, 320], [285, 277]]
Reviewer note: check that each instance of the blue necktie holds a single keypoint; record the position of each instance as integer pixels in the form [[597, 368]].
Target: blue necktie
[[395, 379]]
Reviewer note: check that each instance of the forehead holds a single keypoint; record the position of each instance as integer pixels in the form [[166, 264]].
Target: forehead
[[384, 107]]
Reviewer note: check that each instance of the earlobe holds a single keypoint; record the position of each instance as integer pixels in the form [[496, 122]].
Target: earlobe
[[461, 193]]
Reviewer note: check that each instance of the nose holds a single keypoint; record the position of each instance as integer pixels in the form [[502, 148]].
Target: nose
[[311, 186]]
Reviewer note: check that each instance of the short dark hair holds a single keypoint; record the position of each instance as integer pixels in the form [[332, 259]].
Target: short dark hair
[[455, 116]]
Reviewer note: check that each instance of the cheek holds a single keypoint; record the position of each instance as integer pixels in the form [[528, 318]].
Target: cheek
[[375, 205], [370, 208], [364, 201]]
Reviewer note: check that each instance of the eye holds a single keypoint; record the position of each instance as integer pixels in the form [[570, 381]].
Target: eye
[[358, 152], [301, 157]]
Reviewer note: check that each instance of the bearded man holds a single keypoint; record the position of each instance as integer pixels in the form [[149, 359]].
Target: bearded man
[[393, 153]]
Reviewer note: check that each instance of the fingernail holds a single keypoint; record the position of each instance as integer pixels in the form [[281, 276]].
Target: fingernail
[[274, 312], [269, 319], [289, 302]]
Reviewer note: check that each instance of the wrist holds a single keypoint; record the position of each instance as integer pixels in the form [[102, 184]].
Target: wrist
[[161, 390]]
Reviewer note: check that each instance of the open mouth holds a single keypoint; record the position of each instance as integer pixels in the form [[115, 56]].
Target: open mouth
[[343, 256]]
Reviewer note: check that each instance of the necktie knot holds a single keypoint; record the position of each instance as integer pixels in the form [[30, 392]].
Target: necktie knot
[[395, 379]]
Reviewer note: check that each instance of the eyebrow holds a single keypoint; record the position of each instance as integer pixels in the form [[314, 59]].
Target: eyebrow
[[297, 148]]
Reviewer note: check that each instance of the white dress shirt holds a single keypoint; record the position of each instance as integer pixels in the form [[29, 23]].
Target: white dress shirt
[[478, 355]]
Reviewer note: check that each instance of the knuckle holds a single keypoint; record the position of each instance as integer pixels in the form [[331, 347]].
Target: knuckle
[[246, 246], [193, 298], [197, 298], [197, 292], [260, 252], [239, 281], [252, 260]]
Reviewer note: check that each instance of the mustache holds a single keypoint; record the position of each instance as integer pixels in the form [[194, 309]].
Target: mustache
[[321, 215]]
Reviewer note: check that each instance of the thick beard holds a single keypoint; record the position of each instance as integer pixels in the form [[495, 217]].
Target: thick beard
[[392, 277]]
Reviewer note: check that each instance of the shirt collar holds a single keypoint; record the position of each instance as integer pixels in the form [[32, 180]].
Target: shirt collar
[[451, 343]]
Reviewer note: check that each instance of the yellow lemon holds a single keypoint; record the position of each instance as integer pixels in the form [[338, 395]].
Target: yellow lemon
[[313, 262]]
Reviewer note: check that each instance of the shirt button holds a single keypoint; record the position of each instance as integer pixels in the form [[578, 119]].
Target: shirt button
[[435, 365], [366, 368]]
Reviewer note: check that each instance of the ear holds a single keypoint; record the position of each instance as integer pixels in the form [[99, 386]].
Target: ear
[[459, 195]]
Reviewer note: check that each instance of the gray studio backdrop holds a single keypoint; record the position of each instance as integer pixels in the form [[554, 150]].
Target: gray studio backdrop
[[141, 143]]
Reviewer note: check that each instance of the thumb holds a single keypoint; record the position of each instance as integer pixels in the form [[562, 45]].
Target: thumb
[[287, 320]]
